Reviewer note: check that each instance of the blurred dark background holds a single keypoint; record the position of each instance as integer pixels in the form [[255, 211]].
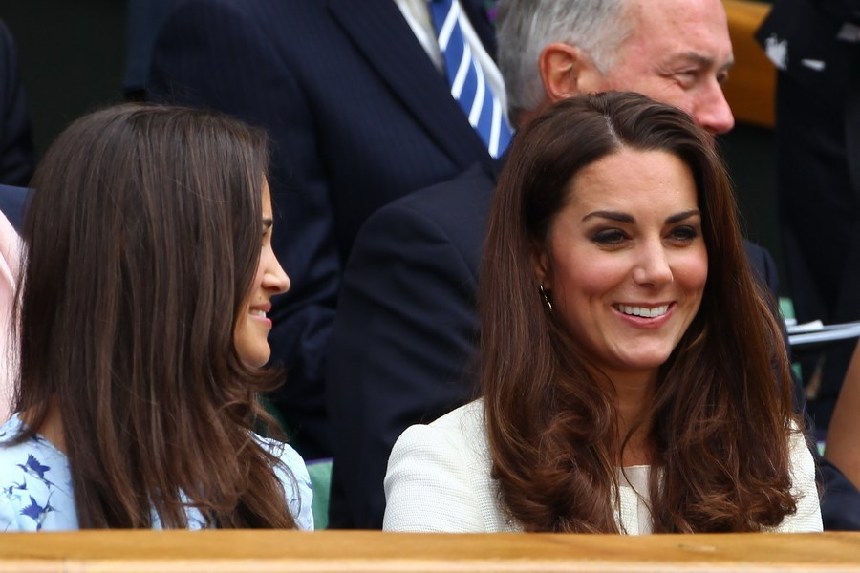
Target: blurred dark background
[[72, 56]]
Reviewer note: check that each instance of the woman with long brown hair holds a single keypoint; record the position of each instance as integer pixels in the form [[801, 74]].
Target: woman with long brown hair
[[633, 375], [143, 332]]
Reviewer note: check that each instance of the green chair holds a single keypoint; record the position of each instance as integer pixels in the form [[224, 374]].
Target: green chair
[[319, 471]]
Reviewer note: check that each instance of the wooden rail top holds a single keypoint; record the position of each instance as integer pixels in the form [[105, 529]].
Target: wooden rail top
[[366, 551]]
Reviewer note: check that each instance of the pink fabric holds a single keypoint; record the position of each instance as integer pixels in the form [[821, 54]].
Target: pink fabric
[[10, 246]]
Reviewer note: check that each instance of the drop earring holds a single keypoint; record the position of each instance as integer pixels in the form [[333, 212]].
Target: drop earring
[[546, 300]]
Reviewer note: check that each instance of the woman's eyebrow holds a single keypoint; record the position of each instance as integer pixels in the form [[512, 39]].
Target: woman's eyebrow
[[619, 217], [611, 215], [682, 216]]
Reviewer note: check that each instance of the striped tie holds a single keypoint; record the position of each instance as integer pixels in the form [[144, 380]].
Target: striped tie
[[468, 86]]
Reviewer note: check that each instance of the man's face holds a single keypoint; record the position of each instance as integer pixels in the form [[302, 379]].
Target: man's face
[[679, 53]]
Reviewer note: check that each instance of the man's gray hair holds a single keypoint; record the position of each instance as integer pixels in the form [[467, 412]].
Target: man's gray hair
[[526, 27]]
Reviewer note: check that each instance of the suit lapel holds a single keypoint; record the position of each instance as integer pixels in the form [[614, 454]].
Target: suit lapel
[[384, 38]]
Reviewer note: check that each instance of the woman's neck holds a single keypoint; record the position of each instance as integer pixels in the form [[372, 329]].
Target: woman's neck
[[634, 395], [51, 427]]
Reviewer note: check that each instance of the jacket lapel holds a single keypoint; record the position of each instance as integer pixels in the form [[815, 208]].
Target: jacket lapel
[[380, 33]]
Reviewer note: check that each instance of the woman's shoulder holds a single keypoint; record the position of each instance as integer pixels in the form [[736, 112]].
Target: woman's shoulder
[[439, 478], [285, 453], [35, 483], [466, 421], [804, 487], [293, 475], [35, 447], [458, 435]]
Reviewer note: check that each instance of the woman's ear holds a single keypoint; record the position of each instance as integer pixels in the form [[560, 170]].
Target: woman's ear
[[566, 71], [541, 266]]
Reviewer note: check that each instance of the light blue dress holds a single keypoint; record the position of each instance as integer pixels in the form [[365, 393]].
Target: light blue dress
[[37, 493]]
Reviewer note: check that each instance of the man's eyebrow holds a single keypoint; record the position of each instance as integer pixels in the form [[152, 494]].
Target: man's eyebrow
[[699, 60]]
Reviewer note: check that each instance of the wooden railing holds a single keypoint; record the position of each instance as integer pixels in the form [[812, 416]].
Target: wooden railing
[[365, 552], [750, 87]]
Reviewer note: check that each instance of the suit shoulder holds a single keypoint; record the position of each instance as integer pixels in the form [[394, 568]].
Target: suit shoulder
[[289, 16], [452, 213], [759, 257], [455, 205], [470, 190]]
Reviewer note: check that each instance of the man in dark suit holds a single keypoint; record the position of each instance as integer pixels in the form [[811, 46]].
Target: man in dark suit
[[815, 45], [143, 19], [406, 326], [359, 112], [16, 140]]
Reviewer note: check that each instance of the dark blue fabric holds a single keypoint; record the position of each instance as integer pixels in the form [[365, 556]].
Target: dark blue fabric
[[13, 200], [840, 500], [16, 140]]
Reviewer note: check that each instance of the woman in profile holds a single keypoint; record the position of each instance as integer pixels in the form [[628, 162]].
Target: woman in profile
[[628, 357], [143, 331]]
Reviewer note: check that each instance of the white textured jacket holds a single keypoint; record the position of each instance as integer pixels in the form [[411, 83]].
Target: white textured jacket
[[438, 480]]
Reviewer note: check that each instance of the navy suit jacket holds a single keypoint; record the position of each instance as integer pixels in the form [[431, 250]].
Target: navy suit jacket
[[16, 141], [406, 331], [358, 116]]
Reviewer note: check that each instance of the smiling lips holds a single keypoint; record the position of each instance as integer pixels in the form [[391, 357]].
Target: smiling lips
[[259, 313], [642, 311]]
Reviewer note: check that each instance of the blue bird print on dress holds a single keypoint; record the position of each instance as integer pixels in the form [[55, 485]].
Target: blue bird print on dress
[[37, 513], [34, 468], [10, 491]]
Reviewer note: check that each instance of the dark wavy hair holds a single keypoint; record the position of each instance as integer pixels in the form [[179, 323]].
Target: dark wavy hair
[[720, 421], [144, 236]]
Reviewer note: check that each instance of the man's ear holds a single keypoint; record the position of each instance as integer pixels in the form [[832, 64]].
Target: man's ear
[[565, 71]]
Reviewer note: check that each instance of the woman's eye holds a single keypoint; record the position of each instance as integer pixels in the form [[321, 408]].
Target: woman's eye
[[609, 237], [684, 233]]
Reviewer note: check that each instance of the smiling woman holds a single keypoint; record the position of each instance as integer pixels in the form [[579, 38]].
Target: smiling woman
[[252, 330], [634, 377], [625, 263], [143, 330]]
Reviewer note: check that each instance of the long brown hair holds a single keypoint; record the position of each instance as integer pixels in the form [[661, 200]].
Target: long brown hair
[[721, 422], [144, 236]]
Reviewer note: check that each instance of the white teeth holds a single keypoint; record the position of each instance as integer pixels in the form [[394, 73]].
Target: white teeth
[[258, 312], [644, 312]]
